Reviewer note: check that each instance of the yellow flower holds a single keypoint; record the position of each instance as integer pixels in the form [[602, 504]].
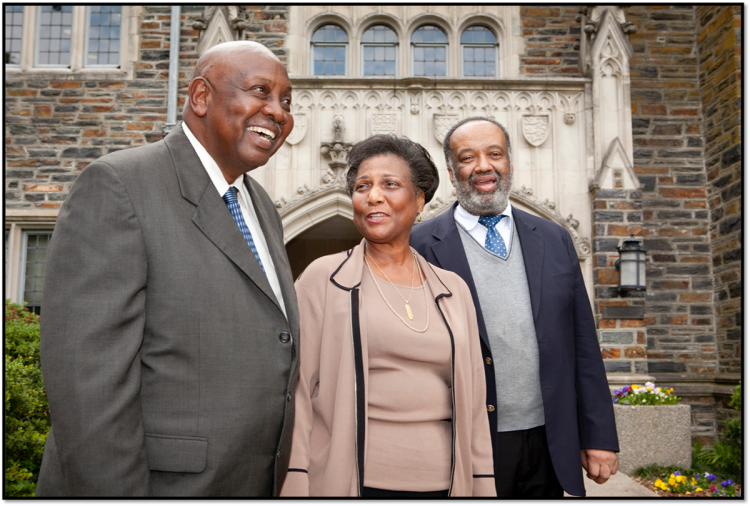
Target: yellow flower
[[693, 481], [658, 482], [699, 489], [672, 481], [634, 386], [649, 389]]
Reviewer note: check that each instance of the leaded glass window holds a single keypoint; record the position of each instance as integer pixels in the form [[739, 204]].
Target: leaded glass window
[[429, 51], [35, 261], [103, 36], [379, 48], [54, 30], [329, 45], [13, 34], [479, 52]]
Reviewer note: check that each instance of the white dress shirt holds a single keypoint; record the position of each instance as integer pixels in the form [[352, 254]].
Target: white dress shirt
[[471, 224], [246, 206]]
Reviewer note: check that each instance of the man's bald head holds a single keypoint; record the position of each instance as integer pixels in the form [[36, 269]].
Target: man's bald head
[[222, 54]]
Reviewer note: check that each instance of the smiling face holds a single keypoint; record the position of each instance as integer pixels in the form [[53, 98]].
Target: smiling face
[[385, 200], [483, 173], [243, 99]]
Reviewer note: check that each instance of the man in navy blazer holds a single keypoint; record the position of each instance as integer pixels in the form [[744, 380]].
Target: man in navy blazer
[[556, 376]]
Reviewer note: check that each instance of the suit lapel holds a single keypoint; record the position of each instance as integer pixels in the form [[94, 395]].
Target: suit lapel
[[211, 214], [532, 245], [276, 249], [450, 254]]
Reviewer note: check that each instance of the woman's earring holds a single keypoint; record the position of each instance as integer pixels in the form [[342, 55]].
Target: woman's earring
[[419, 217]]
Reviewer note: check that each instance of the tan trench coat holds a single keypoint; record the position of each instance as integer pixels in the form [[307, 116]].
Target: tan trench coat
[[328, 442]]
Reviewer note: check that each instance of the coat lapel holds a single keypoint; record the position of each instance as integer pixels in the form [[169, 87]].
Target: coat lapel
[[532, 245], [211, 214], [450, 254], [276, 249]]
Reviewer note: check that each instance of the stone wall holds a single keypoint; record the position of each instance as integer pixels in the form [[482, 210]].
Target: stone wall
[[54, 127], [719, 38], [622, 330], [551, 34], [668, 158]]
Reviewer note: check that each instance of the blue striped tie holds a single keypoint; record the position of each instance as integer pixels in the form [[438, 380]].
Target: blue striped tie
[[494, 241], [230, 197]]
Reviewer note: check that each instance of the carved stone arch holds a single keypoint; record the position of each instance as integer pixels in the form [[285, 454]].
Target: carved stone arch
[[610, 67], [313, 207], [495, 24], [430, 18], [524, 101], [371, 94], [551, 98], [328, 18], [524, 199], [302, 100], [381, 18]]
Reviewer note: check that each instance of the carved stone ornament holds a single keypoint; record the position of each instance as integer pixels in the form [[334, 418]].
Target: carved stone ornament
[[338, 151], [299, 130], [441, 123], [219, 23], [535, 128], [383, 124], [569, 118]]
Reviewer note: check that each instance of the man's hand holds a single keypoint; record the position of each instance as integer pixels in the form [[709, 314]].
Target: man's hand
[[599, 464]]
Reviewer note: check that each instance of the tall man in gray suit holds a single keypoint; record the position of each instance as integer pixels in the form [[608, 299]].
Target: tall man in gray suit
[[169, 334]]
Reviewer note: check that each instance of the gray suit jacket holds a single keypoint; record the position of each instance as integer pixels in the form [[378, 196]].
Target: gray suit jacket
[[169, 366]]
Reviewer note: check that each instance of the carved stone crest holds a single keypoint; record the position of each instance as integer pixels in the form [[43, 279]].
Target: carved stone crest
[[383, 124], [569, 118], [299, 130], [535, 128], [441, 123]]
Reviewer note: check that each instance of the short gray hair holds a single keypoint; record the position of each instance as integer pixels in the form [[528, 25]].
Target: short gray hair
[[447, 140]]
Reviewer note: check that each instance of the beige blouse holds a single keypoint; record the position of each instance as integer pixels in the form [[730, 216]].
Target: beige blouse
[[409, 429]]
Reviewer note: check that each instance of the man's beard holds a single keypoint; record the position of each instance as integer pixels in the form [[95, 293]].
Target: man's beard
[[478, 202]]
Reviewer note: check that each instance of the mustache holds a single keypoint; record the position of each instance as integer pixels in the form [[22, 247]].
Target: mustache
[[500, 179]]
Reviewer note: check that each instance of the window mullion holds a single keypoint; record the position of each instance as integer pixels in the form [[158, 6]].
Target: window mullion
[[80, 29]]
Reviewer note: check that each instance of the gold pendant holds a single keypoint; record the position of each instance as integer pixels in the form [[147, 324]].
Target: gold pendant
[[408, 312]]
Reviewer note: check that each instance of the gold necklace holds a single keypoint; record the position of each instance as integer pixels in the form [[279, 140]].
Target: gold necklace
[[424, 289], [411, 290]]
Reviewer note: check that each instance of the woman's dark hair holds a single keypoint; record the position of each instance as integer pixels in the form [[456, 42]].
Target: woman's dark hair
[[424, 174]]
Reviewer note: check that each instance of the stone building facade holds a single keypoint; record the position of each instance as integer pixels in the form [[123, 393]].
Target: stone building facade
[[622, 122]]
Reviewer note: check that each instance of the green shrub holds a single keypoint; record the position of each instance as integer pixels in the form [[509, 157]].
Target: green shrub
[[726, 454], [26, 410]]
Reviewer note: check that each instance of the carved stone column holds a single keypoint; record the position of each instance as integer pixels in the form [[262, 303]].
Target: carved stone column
[[605, 57]]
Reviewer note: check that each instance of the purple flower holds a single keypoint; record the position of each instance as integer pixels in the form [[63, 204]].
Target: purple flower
[[614, 400], [626, 388], [697, 476], [727, 483], [710, 477], [677, 473], [626, 402]]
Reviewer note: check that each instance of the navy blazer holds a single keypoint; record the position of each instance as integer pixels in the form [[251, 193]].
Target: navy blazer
[[578, 408]]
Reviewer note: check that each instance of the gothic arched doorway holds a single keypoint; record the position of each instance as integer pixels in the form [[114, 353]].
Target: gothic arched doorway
[[335, 234]]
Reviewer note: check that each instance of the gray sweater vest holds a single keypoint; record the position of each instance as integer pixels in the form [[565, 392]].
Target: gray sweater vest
[[506, 306]]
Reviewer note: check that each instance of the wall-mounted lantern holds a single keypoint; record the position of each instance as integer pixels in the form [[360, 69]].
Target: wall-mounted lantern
[[632, 267]]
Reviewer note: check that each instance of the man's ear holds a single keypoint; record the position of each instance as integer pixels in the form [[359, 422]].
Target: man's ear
[[450, 175], [198, 94]]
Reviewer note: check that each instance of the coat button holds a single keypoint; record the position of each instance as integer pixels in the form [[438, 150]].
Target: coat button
[[488, 361], [288, 396], [490, 408], [278, 455], [284, 337]]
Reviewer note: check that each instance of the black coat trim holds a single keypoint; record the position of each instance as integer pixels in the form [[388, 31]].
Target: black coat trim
[[359, 374]]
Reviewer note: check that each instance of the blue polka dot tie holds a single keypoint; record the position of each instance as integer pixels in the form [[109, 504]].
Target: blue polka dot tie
[[494, 241], [230, 197]]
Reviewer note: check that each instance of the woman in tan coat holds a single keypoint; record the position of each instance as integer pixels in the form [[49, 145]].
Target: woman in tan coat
[[390, 400]]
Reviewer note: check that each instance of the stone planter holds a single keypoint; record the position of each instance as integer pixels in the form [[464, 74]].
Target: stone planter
[[653, 435]]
